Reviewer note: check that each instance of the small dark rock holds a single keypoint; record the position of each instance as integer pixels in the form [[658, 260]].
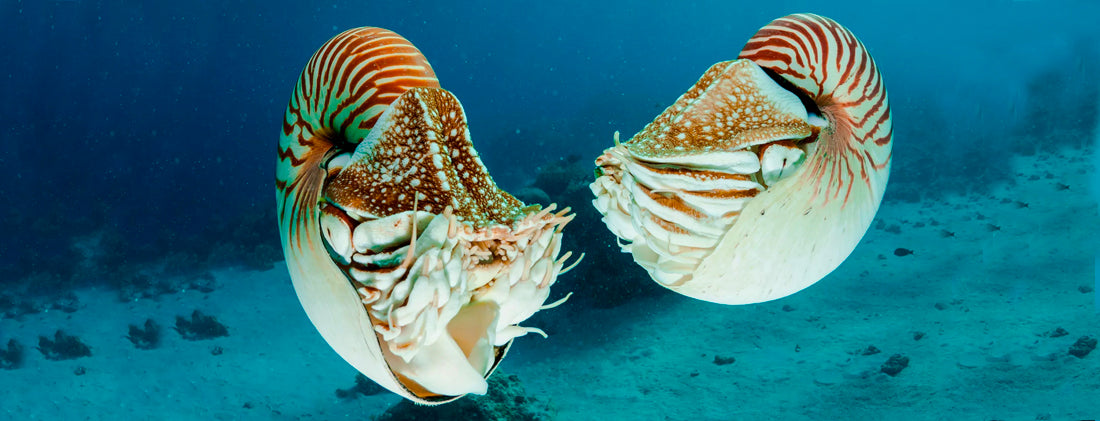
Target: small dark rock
[[216, 351], [12, 357], [247, 405], [1085, 289], [870, 350], [200, 327], [147, 337], [1056, 333], [62, 347], [1082, 347], [918, 336], [787, 308], [719, 360], [895, 364]]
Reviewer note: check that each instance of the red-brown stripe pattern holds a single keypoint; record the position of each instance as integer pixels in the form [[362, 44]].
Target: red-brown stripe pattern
[[344, 88], [830, 66]]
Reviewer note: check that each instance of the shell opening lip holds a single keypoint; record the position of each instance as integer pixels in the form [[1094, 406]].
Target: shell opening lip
[[811, 106], [337, 162]]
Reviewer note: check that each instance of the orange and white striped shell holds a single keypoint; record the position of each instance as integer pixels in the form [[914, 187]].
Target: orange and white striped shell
[[406, 256], [761, 178]]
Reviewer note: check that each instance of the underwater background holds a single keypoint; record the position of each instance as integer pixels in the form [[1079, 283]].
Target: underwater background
[[138, 145]]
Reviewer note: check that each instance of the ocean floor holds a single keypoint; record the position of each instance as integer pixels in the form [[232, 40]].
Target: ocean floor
[[976, 309]]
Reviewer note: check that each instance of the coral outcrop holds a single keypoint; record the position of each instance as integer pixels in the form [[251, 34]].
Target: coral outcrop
[[63, 347], [12, 356], [147, 337], [200, 327]]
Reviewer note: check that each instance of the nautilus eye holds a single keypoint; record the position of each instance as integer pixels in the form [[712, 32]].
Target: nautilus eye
[[761, 178], [409, 260]]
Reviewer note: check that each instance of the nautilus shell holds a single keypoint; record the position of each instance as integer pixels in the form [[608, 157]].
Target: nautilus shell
[[761, 178], [406, 256]]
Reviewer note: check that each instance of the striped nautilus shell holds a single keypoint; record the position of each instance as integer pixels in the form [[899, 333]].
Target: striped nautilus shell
[[409, 260], [761, 178]]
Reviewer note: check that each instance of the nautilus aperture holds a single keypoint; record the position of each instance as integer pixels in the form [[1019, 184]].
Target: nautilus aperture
[[406, 256], [762, 178]]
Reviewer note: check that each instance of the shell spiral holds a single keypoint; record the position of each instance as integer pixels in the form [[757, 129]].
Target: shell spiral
[[832, 68], [345, 87]]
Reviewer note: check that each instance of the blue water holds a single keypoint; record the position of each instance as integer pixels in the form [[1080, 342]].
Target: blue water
[[150, 118], [135, 132]]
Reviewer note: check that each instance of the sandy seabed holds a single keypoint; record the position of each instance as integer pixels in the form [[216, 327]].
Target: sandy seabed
[[990, 277]]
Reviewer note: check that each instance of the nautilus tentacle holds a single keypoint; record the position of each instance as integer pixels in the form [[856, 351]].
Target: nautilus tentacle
[[762, 178], [410, 261]]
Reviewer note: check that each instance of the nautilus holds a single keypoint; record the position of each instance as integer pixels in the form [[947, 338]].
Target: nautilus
[[408, 259], [762, 178]]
